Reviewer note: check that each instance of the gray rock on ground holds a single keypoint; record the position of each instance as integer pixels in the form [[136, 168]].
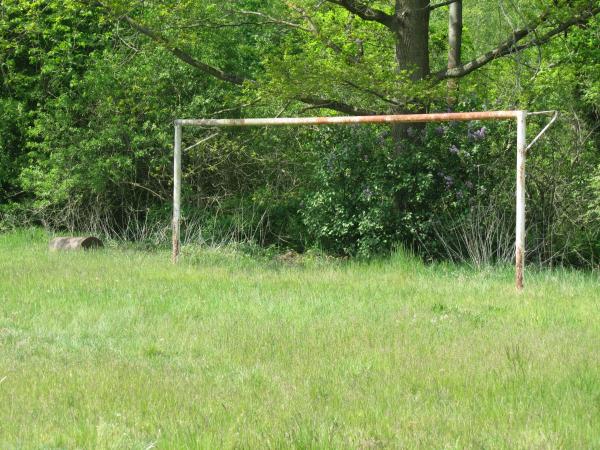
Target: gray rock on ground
[[75, 243]]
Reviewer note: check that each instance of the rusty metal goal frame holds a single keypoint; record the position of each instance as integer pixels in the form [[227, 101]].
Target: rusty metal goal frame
[[519, 116]]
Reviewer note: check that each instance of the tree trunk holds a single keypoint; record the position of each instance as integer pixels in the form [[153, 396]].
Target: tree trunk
[[454, 48], [412, 37], [412, 53]]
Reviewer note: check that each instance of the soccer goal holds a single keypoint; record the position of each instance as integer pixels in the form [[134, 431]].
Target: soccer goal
[[522, 147]]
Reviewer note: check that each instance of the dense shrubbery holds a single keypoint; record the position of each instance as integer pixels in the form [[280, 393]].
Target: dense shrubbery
[[369, 195], [85, 136]]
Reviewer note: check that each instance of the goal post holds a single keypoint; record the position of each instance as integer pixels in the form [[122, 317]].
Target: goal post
[[519, 116]]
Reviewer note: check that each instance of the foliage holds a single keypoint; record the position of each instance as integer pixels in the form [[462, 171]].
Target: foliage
[[44, 49], [369, 195], [87, 104]]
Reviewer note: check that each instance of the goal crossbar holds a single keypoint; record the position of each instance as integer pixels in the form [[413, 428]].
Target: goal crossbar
[[519, 116]]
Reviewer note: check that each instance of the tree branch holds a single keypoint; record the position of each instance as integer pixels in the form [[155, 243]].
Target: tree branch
[[345, 108], [316, 31], [578, 20], [314, 101], [365, 12], [511, 45], [440, 5], [176, 51], [184, 56], [372, 92], [272, 19]]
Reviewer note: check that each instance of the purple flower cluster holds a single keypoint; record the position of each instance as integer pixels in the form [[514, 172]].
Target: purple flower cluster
[[440, 131], [454, 150], [367, 193], [449, 181], [478, 135], [383, 136], [331, 161]]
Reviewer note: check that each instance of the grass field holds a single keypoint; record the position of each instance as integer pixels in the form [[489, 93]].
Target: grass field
[[119, 349]]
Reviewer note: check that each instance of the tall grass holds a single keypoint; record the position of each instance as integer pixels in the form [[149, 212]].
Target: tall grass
[[119, 349]]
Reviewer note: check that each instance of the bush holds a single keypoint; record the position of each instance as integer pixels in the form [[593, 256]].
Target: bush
[[371, 191]]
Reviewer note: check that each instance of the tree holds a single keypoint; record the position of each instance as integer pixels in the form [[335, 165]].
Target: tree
[[45, 47], [351, 56], [88, 95], [455, 26], [405, 25]]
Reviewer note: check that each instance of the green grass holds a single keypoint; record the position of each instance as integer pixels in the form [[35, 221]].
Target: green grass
[[119, 349]]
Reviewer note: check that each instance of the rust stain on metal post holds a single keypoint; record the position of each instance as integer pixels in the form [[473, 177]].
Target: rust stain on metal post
[[176, 192], [520, 228]]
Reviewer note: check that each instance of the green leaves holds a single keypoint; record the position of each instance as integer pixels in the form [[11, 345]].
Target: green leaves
[[87, 105]]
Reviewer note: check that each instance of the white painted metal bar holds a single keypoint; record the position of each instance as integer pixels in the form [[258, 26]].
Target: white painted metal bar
[[520, 227], [541, 113], [176, 193], [541, 133], [200, 142]]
